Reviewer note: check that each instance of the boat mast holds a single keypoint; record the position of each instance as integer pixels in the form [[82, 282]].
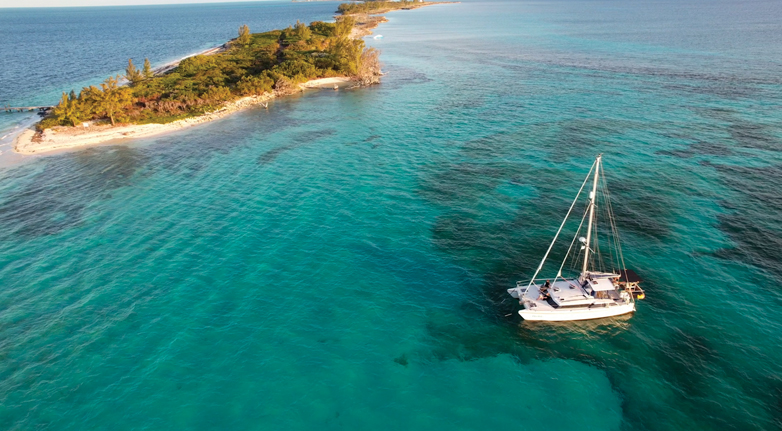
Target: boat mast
[[592, 198]]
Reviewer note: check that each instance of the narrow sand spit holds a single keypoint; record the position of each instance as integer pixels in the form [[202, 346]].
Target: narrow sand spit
[[366, 22]]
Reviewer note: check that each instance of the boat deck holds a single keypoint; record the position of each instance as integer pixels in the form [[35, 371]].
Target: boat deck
[[567, 295], [562, 292]]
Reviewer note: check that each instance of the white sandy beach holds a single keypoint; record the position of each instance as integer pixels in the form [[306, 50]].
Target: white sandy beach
[[64, 138], [70, 138]]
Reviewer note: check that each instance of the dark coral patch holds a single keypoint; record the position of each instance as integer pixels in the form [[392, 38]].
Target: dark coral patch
[[754, 222], [57, 197], [401, 360], [298, 140]]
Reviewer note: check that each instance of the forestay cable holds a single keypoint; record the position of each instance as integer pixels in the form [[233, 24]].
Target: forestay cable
[[542, 262]]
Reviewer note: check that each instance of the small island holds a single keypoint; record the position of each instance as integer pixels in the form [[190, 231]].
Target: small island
[[248, 70]]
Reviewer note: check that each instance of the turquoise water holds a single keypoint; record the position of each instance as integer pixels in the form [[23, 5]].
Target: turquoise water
[[340, 260]]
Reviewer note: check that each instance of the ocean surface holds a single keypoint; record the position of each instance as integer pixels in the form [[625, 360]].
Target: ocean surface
[[340, 260]]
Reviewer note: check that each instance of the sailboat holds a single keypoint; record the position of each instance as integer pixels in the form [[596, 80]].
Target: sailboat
[[595, 292]]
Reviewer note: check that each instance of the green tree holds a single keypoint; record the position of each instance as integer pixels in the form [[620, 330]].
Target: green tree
[[348, 55], [112, 99], [302, 31], [344, 26], [132, 74], [72, 95], [216, 95], [254, 85], [147, 72], [297, 69], [272, 61], [244, 35], [323, 28], [67, 112]]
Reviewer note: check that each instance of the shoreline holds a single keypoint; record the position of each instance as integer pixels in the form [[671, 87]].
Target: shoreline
[[366, 22], [65, 138], [60, 138], [160, 70]]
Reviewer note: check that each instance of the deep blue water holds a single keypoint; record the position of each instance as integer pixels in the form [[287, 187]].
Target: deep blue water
[[46, 51], [340, 260]]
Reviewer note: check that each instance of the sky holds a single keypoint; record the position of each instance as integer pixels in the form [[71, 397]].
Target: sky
[[67, 3]]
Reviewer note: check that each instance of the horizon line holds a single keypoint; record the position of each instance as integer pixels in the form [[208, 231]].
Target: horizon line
[[166, 3]]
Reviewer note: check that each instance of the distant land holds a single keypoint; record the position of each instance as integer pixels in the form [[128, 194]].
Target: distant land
[[248, 70]]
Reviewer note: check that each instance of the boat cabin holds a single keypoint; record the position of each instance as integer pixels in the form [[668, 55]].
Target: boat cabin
[[593, 293]]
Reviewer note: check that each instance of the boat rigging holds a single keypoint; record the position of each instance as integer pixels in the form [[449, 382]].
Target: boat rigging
[[596, 292]]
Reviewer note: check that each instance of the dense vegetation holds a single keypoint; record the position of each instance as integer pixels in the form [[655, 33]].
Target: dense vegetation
[[251, 64], [374, 6]]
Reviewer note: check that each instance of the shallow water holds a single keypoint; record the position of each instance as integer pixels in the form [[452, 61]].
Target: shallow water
[[340, 260]]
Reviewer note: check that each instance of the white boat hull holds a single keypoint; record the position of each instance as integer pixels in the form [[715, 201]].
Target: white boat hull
[[594, 293], [563, 314]]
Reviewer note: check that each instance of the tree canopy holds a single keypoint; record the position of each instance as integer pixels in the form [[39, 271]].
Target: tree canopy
[[244, 35], [374, 6], [252, 65], [132, 74], [147, 72]]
